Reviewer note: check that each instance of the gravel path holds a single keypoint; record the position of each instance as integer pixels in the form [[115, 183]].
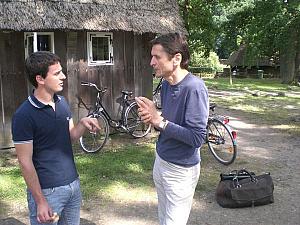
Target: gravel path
[[261, 149]]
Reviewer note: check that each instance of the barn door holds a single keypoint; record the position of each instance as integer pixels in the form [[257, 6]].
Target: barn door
[[5, 119]]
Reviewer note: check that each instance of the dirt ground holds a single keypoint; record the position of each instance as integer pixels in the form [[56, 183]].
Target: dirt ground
[[260, 149]]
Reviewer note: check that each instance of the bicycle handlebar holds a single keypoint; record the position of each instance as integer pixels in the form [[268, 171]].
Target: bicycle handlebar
[[84, 83]]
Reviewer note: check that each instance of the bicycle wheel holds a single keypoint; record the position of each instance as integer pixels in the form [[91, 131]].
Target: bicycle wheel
[[92, 142], [221, 142], [133, 122]]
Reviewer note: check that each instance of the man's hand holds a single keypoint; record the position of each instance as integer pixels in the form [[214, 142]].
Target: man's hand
[[90, 123], [44, 212], [85, 123], [148, 111]]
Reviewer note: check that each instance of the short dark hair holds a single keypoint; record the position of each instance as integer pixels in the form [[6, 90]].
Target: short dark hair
[[37, 63], [174, 43]]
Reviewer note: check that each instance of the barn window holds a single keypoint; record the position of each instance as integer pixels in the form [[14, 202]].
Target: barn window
[[38, 41], [100, 48]]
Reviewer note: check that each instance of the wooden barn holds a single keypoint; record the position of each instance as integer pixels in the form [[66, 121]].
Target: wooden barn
[[101, 41], [244, 67]]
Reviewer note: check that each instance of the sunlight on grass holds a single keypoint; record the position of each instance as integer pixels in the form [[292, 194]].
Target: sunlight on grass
[[289, 128], [248, 108], [121, 191], [12, 187], [273, 85], [128, 168], [266, 108], [135, 168]]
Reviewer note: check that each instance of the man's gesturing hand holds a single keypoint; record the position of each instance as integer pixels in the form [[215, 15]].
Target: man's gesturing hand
[[148, 111]]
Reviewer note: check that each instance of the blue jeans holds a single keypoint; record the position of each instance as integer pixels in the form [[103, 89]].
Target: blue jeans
[[175, 186], [64, 200]]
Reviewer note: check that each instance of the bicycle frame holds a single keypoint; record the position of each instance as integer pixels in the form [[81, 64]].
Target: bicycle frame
[[113, 122], [158, 86], [99, 107]]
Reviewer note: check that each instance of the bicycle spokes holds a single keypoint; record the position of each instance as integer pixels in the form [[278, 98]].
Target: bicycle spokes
[[220, 142], [134, 124]]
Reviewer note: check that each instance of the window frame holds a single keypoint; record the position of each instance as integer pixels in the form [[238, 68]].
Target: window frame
[[109, 36], [34, 35]]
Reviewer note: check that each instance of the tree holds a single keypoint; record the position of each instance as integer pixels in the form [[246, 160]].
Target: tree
[[267, 27], [202, 30], [274, 30]]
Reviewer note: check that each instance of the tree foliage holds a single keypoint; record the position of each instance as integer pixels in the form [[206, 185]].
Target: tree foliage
[[267, 27], [198, 17]]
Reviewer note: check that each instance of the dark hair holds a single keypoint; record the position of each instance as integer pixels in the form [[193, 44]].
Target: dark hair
[[38, 63], [174, 43]]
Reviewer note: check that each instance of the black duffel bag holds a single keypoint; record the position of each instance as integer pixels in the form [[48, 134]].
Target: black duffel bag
[[243, 189]]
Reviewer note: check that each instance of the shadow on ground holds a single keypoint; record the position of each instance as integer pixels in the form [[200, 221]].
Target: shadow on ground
[[11, 221], [125, 212], [14, 221], [86, 222]]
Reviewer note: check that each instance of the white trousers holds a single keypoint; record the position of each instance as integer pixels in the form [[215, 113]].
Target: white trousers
[[175, 186]]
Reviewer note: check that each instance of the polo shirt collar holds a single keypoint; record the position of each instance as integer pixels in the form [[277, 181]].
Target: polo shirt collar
[[36, 103]]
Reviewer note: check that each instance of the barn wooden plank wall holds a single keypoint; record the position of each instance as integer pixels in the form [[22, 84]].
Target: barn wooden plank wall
[[131, 71], [13, 81]]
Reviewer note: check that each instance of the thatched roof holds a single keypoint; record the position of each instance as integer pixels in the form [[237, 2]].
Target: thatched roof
[[239, 58], [141, 16]]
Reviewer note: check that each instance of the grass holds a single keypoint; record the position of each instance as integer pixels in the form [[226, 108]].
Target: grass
[[269, 107], [123, 171], [105, 175], [273, 85], [126, 168]]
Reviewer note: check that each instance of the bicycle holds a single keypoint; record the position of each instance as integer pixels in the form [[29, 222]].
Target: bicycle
[[156, 94], [129, 122], [220, 138]]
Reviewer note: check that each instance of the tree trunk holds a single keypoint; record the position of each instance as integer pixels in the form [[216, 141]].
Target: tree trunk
[[287, 67], [288, 58], [297, 63]]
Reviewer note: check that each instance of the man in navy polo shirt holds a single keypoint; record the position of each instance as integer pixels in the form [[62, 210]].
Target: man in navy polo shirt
[[42, 130]]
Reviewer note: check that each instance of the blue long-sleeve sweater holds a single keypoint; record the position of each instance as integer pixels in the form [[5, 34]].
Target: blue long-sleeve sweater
[[185, 105]]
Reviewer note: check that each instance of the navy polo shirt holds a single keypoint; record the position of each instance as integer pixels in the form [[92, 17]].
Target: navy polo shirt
[[48, 131]]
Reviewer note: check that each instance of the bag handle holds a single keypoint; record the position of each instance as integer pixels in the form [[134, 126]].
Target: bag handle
[[236, 179], [247, 172]]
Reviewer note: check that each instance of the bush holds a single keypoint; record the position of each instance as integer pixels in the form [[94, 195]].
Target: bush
[[200, 64]]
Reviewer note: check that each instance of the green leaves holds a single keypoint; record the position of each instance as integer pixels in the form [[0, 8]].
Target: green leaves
[[266, 27]]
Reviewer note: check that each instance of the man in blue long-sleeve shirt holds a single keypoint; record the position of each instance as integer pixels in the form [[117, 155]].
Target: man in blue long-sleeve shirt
[[182, 126]]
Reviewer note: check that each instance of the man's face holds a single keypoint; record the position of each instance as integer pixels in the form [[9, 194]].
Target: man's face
[[162, 64], [54, 78]]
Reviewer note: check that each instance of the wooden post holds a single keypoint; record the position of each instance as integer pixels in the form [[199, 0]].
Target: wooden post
[[230, 75], [2, 100]]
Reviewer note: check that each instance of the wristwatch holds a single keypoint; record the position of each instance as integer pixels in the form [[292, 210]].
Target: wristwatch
[[162, 125]]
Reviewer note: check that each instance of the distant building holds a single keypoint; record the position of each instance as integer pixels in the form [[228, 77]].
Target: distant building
[[243, 67]]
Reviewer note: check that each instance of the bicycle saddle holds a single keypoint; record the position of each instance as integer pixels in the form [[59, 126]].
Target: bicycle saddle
[[127, 93], [212, 106]]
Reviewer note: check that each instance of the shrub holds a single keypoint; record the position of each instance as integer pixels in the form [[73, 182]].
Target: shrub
[[200, 64]]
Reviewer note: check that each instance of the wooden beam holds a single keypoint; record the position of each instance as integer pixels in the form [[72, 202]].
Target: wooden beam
[[2, 100]]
